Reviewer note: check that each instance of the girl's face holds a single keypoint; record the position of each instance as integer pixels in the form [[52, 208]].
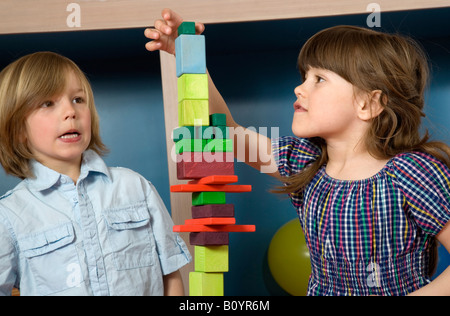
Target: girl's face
[[325, 107], [59, 131]]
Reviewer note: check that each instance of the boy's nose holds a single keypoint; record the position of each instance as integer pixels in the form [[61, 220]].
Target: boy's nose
[[69, 110]]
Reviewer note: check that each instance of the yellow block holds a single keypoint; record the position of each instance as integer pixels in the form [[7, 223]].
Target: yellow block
[[211, 258], [193, 113], [205, 284]]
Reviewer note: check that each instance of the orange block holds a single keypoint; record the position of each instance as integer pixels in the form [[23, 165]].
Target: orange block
[[211, 221], [210, 188], [217, 179], [214, 228]]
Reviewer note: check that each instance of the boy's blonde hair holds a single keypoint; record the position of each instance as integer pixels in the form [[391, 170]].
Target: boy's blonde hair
[[24, 85]]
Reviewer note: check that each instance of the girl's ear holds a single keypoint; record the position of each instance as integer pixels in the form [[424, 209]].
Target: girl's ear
[[370, 105]]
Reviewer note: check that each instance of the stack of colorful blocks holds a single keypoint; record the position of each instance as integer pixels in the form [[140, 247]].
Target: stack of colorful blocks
[[204, 156]]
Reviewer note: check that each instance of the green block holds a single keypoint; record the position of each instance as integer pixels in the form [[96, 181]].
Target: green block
[[203, 198], [205, 284], [193, 87], [193, 113], [190, 145], [218, 119], [219, 145], [186, 28], [196, 132], [221, 132], [211, 258]]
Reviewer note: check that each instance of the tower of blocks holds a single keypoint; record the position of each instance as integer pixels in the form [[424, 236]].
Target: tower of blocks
[[205, 157]]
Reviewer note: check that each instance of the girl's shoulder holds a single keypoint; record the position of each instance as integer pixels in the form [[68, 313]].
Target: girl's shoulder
[[292, 154], [420, 170]]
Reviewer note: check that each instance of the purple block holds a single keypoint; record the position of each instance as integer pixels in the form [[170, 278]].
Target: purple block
[[209, 238], [213, 210]]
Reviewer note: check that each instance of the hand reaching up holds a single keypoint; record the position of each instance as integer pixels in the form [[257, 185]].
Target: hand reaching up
[[165, 32]]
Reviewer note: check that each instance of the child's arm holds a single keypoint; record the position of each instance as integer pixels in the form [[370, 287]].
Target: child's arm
[[173, 284], [250, 147], [440, 286]]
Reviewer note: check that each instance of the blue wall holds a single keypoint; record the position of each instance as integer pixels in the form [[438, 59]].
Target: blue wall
[[254, 66]]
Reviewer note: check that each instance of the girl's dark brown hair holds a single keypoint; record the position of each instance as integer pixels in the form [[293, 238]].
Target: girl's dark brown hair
[[370, 61]]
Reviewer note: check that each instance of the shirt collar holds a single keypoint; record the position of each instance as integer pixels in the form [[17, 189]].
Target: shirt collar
[[45, 178]]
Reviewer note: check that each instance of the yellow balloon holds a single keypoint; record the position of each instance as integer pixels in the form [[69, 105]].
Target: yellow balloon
[[288, 258]]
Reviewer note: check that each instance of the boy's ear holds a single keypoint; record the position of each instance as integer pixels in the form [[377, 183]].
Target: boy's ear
[[370, 106]]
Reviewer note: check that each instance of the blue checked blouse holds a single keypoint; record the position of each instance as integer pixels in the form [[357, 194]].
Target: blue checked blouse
[[109, 235], [371, 236]]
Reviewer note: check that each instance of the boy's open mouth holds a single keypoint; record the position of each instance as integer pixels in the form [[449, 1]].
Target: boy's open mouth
[[70, 134]]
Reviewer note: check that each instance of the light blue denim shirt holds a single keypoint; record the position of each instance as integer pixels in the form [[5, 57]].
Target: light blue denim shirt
[[110, 234]]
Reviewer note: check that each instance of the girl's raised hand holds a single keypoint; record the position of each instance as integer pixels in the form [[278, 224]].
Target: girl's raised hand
[[164, 33]]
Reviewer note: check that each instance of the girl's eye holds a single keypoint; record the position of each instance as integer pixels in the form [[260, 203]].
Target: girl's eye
[[319, 79]]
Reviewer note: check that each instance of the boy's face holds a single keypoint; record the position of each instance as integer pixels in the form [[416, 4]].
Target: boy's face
[[59, 131]]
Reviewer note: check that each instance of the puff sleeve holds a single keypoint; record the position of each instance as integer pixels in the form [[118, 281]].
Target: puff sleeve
[[425, 184], [292, 154]]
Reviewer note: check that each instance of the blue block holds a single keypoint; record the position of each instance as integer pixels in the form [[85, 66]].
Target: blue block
[[190, 54]]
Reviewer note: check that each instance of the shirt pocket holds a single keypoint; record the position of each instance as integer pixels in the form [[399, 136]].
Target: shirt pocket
[[52, 258], [130, 236]]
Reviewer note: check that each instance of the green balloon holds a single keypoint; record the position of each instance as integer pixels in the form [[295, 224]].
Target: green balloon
[[288, 258]]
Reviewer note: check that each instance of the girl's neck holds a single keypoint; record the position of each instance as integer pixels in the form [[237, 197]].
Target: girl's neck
[[352, 161]]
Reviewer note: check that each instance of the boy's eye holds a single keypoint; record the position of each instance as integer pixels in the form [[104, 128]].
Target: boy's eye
[[319, 79], [46, 104], [78, 100]]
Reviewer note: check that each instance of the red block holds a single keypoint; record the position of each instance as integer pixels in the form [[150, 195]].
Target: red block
[[214, 228], [213, 210], [196, 165], [211, 221], [210, 188], [216, 179], [209, 239]]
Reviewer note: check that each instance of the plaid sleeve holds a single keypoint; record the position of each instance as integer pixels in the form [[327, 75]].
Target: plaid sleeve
[[425, 183], [292, 154]]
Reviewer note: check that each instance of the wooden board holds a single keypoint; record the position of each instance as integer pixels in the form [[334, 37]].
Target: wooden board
[[29, 16]]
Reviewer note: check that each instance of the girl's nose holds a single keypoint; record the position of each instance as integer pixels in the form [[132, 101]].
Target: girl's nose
[[299, 91]]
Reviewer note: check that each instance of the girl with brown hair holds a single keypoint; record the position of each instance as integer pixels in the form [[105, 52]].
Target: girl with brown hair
[[371, 193]]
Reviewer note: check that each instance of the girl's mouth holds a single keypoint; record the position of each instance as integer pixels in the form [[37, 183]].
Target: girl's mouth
[[298, 107]]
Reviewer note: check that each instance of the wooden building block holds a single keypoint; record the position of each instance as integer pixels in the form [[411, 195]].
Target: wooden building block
[[211, 258], [193, 113], [211, 188], [190, 54], [186, 28], [192, 132], [218, 119], [211, 221], [190, 145], [200, 132], [209, 238], [214, 228], [213, 210], [221, 132], [202, 198], [216, 179], [193, 87], [195, 165], [205, 284], [219, 145]]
